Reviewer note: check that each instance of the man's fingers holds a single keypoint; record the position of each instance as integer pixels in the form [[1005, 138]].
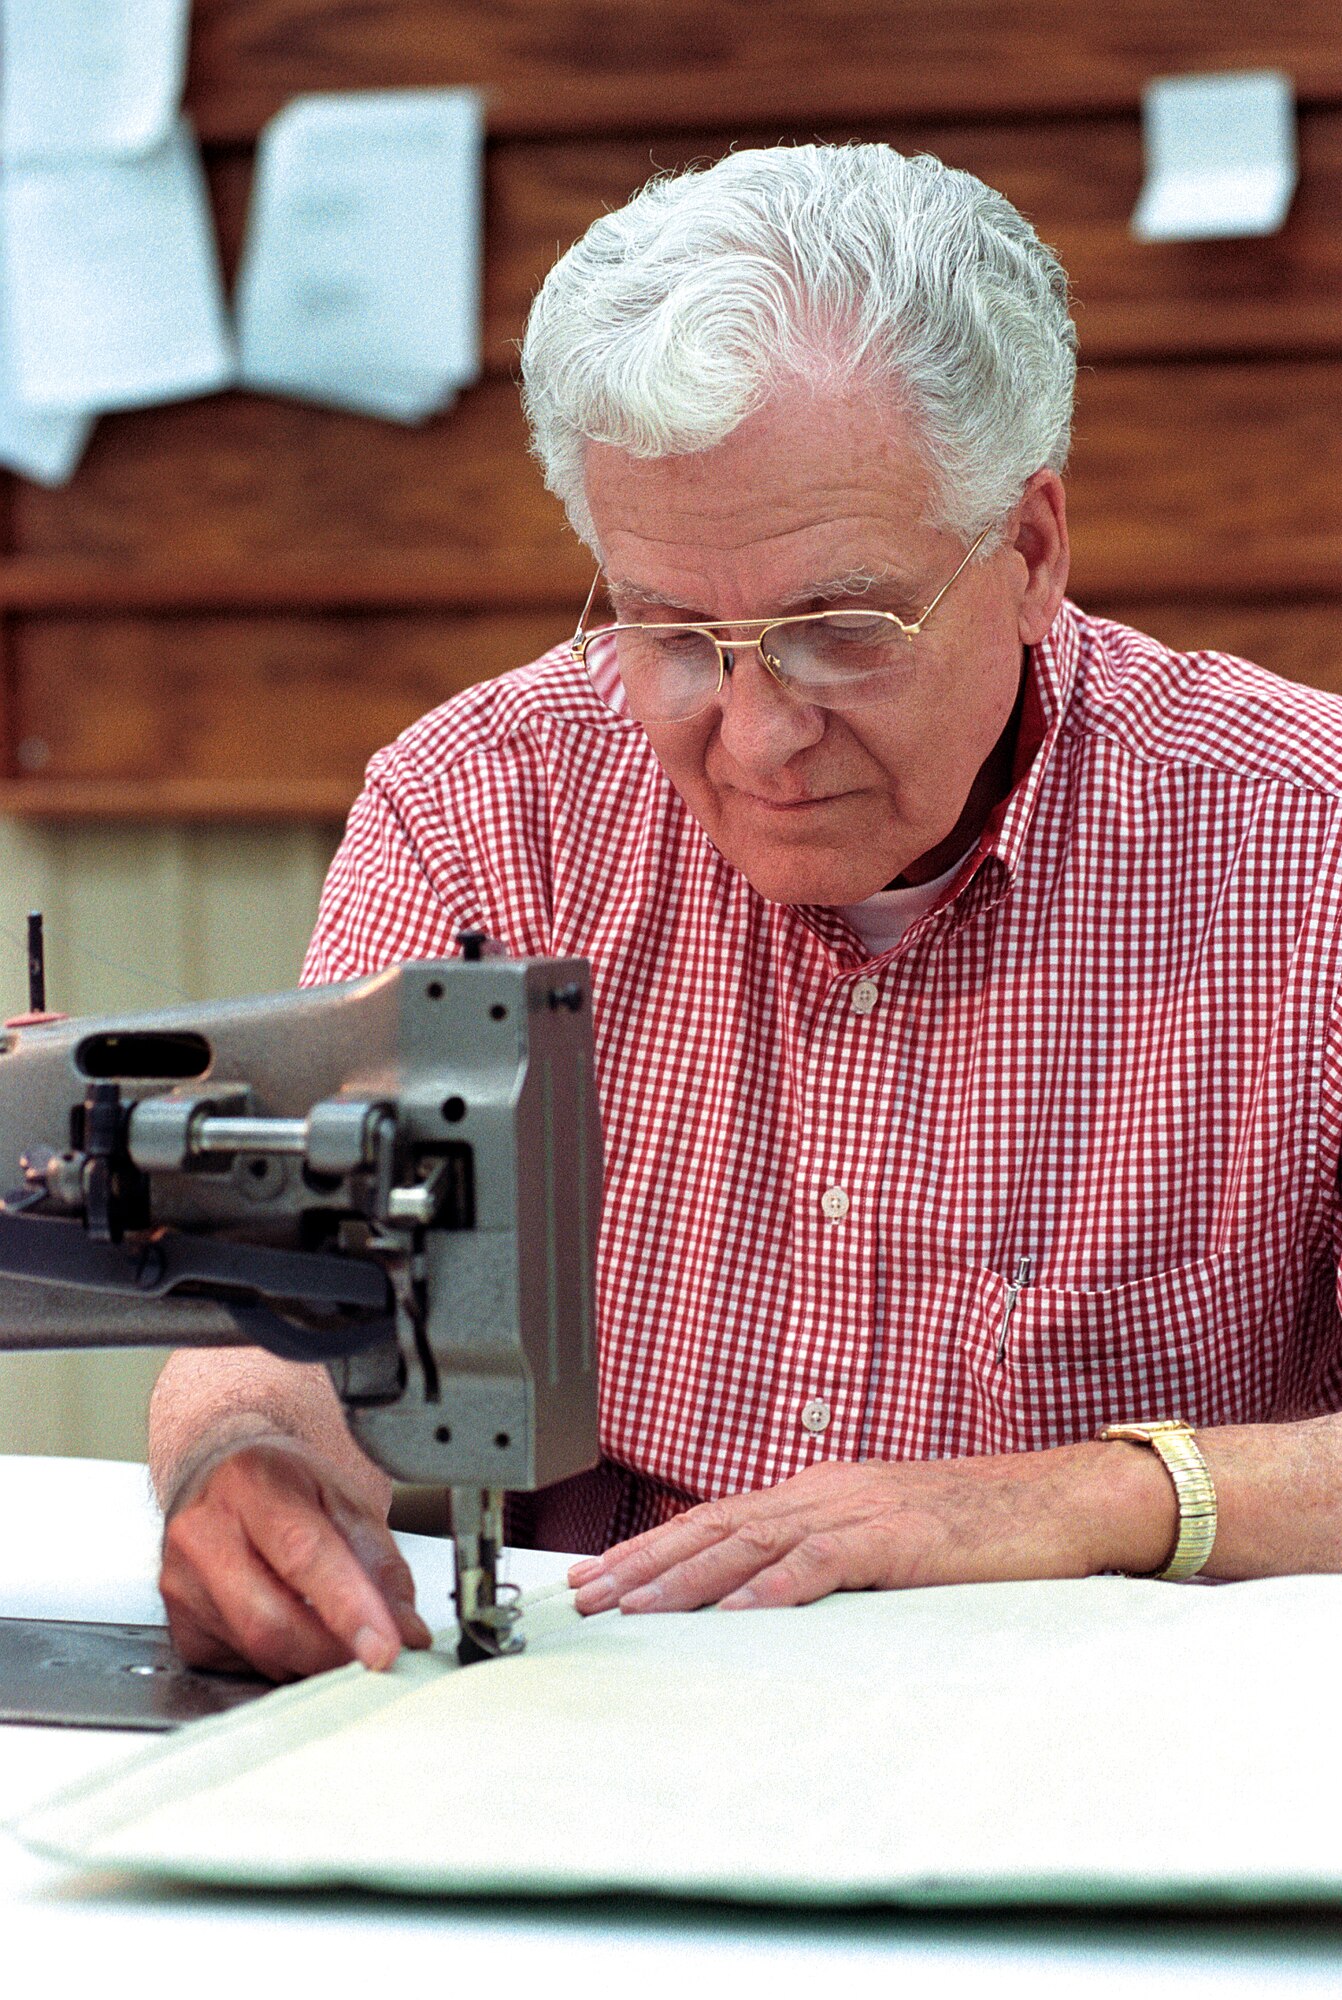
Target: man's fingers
[[692, 1530], [836, 1526], [197, 1543], [639, 1563], [276, 1633], [270, 1559], [198, 1647], [757, 1547], [813, 1569], [245, 1617], [308, 1553], [764, 1566], [380, 1557], [618, 1552], [413, 1629], [195, 1624]]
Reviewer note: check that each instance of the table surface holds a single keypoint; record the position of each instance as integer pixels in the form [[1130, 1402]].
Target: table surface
[[80, 1540]]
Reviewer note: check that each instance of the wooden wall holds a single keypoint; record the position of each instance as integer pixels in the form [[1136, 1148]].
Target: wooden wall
[[219, 568], [238, 599]]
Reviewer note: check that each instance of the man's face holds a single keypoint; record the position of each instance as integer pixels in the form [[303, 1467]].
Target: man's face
[[821, 805]]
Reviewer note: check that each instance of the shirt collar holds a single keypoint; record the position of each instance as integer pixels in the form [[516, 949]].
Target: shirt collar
[[1050, 678], [990, 868]]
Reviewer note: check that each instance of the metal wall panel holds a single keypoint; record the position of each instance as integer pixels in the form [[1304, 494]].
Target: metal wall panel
[[138, 918]]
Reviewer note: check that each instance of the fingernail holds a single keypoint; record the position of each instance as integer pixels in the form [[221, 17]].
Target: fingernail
[[743, 1599], [583, 1572], [413, 1628], [646, 1599], [373, 1648], [597, 1595]]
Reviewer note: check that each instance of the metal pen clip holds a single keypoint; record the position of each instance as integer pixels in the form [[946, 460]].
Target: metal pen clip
[[1024, 1266]]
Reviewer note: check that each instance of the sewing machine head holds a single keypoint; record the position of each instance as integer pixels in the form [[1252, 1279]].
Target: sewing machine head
[[399, 1176]]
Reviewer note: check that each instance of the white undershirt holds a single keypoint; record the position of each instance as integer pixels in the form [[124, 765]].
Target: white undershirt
[[882, 920]]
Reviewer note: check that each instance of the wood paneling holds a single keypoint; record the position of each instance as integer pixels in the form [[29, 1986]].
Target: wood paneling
[[186, 503], [113, 713], [1197, 479], [656, 65], [1077, 182], [1208, 481], [124, 716]]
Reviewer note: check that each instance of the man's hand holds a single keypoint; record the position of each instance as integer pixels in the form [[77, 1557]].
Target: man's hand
[[874, 1526], [270, 1562]]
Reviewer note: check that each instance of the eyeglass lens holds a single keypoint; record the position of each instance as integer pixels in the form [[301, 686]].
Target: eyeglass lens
[[839, 658]]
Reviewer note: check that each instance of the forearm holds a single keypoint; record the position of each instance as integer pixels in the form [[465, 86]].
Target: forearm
[[209, 1398], [1278, 1492]]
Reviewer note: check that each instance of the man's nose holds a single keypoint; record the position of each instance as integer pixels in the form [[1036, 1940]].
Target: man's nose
[[762, 725]]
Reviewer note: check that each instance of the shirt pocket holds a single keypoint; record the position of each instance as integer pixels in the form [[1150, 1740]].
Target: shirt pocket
[[1058, 1364]]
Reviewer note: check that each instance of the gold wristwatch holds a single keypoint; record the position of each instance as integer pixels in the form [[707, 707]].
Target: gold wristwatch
[[1172, 1438]]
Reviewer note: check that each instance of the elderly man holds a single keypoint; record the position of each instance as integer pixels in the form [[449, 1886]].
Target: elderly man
[[966, 968]]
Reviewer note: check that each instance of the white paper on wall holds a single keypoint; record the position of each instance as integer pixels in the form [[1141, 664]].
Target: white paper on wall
[[360, 279], [45, 445], [89, 78], [116, 298], [1221, 156]]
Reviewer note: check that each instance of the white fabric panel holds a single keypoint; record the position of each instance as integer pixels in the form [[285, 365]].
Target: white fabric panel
[[1092, 1741]]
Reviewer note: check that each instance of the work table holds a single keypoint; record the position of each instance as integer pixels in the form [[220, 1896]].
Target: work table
[[80, 1540]]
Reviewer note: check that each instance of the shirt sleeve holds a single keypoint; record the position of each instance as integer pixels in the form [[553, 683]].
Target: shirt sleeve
[[391, 894], [1330, 1138], [451, 832]]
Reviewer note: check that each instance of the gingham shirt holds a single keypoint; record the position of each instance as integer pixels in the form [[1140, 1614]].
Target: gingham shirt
[[1111, 1048]]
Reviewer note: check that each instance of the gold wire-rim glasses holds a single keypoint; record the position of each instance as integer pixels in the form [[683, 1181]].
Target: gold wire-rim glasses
[[709, 630]]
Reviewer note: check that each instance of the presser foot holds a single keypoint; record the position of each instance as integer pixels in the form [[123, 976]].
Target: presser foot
[[488, 1612]]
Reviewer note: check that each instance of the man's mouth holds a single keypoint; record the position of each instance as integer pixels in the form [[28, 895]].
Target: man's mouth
[[809, 804]]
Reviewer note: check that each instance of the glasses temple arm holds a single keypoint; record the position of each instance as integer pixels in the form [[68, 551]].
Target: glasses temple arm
[[579, 639], [965, 561]]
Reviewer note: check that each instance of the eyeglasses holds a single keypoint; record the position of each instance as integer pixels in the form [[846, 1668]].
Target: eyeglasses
[[827, 659]]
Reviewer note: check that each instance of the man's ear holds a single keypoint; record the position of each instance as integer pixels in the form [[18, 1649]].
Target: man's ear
[[1037, 532]]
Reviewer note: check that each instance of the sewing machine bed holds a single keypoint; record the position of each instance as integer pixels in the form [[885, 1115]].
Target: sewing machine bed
[[68, 1673]]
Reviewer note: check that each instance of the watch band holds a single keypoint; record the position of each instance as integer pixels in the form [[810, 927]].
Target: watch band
[[1173, 1440]]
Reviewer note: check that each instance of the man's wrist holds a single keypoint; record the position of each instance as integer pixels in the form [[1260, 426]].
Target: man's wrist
[[1132, 1508], [230, 1434]]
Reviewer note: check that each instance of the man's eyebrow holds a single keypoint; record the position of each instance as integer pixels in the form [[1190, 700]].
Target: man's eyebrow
[[860, 582], [857, 582], [643, 593]]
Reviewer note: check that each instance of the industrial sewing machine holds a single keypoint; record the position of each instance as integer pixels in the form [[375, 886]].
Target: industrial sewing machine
[[399, 1176]]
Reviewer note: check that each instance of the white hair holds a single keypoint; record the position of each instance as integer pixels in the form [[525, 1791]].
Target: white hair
[[675, 318]]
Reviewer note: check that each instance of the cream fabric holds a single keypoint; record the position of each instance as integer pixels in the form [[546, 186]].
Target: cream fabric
[[1103, 1739]]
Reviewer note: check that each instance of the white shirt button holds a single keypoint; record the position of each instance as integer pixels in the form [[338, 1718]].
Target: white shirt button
[[864, 996], [816, 1416], [835, 1204]]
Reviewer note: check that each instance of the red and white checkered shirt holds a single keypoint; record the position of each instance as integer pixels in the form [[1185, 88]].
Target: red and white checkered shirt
[[1112, 1049]]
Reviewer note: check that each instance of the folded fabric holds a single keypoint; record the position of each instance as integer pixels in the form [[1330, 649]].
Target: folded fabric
[[1083, 1741]]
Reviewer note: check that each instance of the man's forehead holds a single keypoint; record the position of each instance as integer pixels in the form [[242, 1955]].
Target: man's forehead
[[785, 512], [854, 580]]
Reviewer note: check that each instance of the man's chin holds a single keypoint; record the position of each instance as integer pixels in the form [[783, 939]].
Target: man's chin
[[805, 860], [783, 879]]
